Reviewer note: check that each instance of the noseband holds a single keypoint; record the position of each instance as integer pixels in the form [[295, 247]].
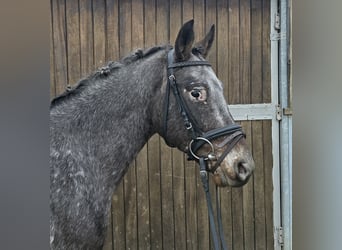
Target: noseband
[[199, 139]]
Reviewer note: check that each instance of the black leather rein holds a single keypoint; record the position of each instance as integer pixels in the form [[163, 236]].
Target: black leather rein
[[233, 133]]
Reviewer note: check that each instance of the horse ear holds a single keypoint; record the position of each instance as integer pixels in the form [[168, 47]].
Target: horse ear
[[204, 46], [184, 41]]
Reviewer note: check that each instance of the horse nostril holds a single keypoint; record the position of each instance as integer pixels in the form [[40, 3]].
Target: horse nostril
[[241, 168], [242, 171]]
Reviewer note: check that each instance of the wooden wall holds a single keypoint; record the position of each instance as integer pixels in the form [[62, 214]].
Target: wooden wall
[[160, 203]]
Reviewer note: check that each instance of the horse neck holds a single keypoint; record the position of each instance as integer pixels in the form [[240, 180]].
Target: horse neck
[[111, 120]]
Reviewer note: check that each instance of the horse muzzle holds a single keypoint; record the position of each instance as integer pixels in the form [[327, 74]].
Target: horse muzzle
[[236, 168], [228, 159]]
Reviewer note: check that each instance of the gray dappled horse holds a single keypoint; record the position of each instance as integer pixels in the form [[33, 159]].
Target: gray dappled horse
[[99, 126]]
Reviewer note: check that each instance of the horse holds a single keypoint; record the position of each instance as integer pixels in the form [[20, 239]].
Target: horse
[[98, 127]]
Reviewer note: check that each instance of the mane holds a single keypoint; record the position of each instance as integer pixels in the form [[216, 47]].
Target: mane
[[105, 71]]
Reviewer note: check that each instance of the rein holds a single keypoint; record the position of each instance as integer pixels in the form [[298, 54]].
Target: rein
[[198, 139]]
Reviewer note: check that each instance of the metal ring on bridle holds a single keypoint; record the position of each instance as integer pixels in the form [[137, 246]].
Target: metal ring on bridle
[[212, 150]]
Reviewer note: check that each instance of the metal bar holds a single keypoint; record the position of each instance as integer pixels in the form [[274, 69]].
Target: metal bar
[[285, 131], [249, 112], [275, 127]]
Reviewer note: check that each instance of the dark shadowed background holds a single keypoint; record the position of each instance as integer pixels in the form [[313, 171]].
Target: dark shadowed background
[[24, 122]]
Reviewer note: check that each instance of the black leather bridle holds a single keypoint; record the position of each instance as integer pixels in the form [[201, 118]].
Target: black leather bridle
[[199, 138]]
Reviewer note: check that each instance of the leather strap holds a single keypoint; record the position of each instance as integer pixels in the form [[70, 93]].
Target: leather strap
[[230, 146], [204, 179], [213, 134], [188, 63], [189, 121]]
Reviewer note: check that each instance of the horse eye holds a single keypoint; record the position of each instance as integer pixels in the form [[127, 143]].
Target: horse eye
[[195, 93]]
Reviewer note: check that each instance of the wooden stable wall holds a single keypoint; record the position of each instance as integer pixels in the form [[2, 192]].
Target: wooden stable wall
[[160, 203]]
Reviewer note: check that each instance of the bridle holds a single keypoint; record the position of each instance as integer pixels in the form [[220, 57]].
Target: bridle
[[199, 138]]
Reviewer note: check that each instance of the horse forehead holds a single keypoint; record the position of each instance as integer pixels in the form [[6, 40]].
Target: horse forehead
[[205, 73]]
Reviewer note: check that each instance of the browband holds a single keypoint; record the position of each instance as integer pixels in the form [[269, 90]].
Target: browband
[[188, 63]]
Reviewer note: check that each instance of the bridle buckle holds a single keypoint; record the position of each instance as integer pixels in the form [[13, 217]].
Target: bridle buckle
[[172, 77], [188, 125]]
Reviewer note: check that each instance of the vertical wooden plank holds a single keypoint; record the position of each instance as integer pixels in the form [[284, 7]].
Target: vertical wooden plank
[[167, 197], [248, 198], [73, 38], [137, 24], [211, 18], [155, 192], [86, 37], [245, 51], [256, 48], [52, 55], [99, 15], [130, 197], [60, 46], [179, 199], [190, 201], [118, 218], [199, 16], [266, 52], [175, 19], [256, 91], [233, 52], [162, 26], [112, 30], [150, 23], [226, 210], [237, 218], [259, 192], [125, 31], [143, 206], [188, 12], [222, 45], [154, 160], [108, 243], [268, 163]]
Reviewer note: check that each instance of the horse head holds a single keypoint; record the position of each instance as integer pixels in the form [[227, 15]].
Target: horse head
[[195, 116]]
